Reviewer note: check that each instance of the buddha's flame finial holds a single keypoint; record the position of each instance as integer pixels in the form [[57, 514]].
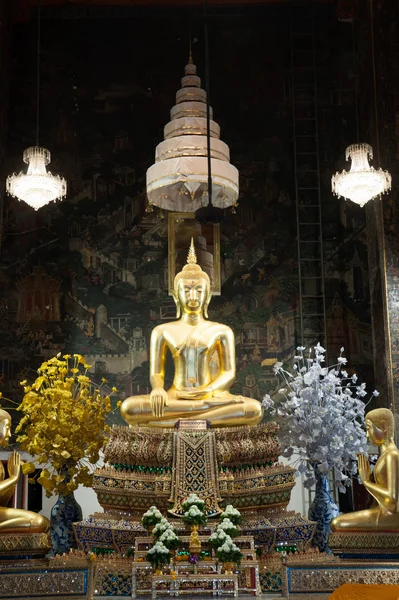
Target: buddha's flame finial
[[192, 257]]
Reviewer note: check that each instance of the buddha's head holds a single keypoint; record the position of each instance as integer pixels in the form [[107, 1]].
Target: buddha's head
[[380, 426], [5, 427], [192, 288]]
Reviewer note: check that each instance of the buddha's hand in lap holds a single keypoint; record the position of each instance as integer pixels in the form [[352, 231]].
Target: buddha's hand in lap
[[158, 401], [363, 468], [195, 394]]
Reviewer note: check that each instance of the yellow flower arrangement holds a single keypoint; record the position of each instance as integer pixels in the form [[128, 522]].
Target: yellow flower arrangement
[[64, 423]]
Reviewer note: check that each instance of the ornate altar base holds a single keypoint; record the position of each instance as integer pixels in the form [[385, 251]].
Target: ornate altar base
[[326, 577], [238, 465], [23, 545], [46, 579], [360, 558], [303, 575], [365, 544], [85, 577], [144, 464]]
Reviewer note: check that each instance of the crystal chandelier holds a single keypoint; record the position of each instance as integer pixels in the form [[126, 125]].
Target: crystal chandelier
[[179, 179], [38, 186], [362, 182]]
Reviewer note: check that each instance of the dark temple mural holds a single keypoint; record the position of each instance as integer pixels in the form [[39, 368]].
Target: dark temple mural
[[90, 274], [379, 109]]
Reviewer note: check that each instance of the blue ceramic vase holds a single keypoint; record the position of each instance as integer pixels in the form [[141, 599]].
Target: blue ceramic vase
[[64, 512], [322, 510]]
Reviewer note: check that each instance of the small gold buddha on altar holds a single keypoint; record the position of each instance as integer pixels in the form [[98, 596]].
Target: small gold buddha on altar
[[197, 391], [384, 516], [15, 520]]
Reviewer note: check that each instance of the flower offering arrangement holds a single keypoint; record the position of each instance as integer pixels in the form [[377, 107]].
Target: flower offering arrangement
[[232, 514], [228, 552], [193, 500], [194, 516], [160, 528], [322, 416], [158, 555], [194, 560], [227, 527], [64, 423], [169, 539], [151, 518], [218, 537]]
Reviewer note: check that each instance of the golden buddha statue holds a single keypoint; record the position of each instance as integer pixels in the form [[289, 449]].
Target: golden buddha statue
[[384, 516], [15, 520], [196, 392]]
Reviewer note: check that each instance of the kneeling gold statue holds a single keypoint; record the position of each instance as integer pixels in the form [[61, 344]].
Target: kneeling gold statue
[[380, 425], [15, 520], [196, 392]]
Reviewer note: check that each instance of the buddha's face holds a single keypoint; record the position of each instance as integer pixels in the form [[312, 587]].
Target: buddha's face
[[5, 431], [192, 294], [376, 435]]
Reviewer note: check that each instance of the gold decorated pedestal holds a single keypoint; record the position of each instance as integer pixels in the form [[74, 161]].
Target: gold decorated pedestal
[[148, 466], [325, 577], [364, 543], [139, 470], [24, 544]]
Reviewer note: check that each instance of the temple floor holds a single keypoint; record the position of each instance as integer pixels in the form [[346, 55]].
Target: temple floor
[[248, 596]]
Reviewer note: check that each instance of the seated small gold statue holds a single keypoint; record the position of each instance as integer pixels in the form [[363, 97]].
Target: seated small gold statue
[[196, 392], [380, 426], [15, 520]]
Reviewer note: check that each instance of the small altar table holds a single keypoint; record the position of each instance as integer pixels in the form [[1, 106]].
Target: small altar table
[[211, 568], [174, 582]]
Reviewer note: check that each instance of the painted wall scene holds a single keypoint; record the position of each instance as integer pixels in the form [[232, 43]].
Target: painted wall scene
[[90, 274]]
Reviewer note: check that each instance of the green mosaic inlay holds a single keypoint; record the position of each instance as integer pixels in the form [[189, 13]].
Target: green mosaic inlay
[[142, 469]]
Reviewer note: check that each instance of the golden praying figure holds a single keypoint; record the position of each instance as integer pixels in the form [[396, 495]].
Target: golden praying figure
[[196, 392], [380, 426], [15, 520]]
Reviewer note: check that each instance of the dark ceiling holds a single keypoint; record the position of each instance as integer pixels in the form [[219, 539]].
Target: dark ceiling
[[22, 9], [93, 3]]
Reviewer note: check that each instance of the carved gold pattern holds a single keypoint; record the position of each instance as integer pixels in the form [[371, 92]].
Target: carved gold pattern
[[27, 582], [364, 541], [195, 470], [153, 447], [325, 577], [15, 544]]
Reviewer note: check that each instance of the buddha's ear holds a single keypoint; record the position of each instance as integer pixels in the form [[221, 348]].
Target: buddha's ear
[[209, 298], [176, 301]]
